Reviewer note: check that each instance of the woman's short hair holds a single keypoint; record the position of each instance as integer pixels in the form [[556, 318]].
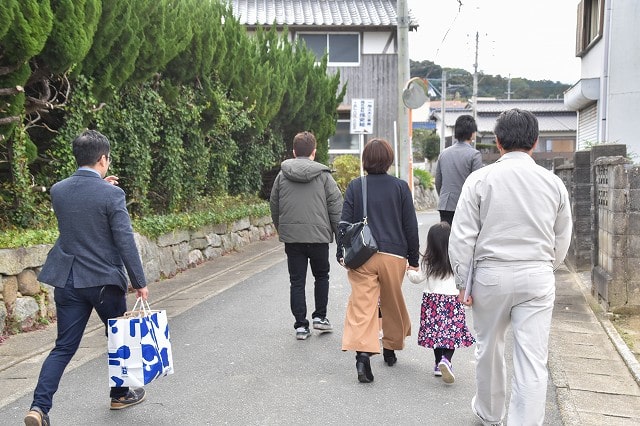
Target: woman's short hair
[[377, 156]]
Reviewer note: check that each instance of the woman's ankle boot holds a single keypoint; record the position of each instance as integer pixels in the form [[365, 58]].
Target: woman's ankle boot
[[363, 367], [389, 356]]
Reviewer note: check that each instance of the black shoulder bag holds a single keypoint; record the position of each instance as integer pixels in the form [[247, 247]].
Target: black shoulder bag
[[358, 242]]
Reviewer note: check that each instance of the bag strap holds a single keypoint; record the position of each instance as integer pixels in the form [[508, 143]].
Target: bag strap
[[141, 307], [364, 199]]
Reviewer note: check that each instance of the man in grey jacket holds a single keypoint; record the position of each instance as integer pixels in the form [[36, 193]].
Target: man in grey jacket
[[87, 266], [306, 205], [454, 165]]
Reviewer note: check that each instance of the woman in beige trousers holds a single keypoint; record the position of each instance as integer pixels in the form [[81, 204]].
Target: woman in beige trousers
[[392, 220]]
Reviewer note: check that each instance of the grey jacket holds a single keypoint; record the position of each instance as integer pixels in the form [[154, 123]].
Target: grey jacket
[[96, 237], [454, 165], [305, 202]]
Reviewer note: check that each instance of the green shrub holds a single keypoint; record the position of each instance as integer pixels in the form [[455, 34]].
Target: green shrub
[[347, 168], [426, 180], [209, 211]]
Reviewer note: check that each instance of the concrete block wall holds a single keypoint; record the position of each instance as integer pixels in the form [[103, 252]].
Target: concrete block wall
[[611, 270], [604, 187], [576, 176]]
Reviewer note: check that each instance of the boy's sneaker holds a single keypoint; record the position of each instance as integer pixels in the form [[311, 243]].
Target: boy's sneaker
[[133, 397], [436, 371], [322, 324], [483, 421], [446, 370], [302, 333], [35, 417]]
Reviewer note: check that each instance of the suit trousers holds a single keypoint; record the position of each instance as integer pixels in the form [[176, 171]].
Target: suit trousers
[[520, 295], [380, 278], [73, 309]]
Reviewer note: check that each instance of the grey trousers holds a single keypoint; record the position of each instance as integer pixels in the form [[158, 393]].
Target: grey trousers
[[520, 295]]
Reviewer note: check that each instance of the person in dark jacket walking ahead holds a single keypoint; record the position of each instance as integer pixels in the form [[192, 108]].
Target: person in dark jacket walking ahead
[[393, 222], [305, 208]]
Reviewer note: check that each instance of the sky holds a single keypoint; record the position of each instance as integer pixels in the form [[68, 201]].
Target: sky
[[522, 38]]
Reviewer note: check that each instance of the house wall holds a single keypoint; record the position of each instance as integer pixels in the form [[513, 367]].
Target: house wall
[[615, 63], [382, 42], [376, 78], [624, 84], [564, 145]]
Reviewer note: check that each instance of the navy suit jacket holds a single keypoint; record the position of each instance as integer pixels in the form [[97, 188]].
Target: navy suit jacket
[[96, 237]]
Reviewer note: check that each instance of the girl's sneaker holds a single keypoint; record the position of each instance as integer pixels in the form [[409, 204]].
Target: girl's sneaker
[[436, 371], [447, 370]]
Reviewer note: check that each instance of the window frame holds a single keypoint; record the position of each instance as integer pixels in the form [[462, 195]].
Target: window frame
[[354, 137], [590, 25], [328, 35]]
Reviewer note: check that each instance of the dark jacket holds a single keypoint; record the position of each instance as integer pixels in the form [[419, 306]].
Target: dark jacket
[[305, 202], [390, 214], [96, 237]]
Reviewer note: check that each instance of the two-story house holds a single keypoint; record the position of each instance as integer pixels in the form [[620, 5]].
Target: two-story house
[[360, 37], [607, 97]]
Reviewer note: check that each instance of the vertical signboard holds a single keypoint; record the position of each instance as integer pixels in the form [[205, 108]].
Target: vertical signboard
[[361, 116], [361, 121]]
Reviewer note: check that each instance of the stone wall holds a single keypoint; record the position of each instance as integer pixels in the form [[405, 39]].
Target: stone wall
[[24, 300], [423, 199]]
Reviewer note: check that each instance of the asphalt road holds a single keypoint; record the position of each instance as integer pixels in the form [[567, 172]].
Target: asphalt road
[[237, 362]]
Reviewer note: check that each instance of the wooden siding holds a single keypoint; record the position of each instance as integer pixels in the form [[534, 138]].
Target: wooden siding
[[376, 78]]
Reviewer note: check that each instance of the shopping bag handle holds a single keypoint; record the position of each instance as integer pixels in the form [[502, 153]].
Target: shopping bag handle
[[144, 306]]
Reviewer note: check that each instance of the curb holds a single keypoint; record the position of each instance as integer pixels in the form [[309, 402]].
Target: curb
[[621, 347]]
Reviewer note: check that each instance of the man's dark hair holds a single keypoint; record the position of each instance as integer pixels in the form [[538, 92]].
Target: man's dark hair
[[516, 129], [303, 144], [89, 147], [464, 128], [377, 156]]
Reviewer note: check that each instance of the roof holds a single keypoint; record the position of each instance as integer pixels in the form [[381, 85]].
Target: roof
[[552, 114], [349, 13], [533, 105]]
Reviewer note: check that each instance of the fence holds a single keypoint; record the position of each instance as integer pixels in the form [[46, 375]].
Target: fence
[[604, 187]]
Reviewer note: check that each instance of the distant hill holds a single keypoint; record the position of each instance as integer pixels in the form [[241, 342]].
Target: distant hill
[[460, 84]]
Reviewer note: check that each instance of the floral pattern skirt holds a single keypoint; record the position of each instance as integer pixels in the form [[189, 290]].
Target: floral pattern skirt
[[443, 322]]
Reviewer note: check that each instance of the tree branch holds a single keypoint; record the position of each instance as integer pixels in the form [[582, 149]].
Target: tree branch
[[7, 91]]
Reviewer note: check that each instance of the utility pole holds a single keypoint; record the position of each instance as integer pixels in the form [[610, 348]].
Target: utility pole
[[509, 92], [404, 143], [474, 96], [443, 93]]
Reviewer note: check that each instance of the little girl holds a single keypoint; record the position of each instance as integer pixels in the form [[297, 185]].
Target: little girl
[[442, 318]]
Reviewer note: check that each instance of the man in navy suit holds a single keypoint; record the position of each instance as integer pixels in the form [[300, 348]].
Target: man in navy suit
[[87, 265]]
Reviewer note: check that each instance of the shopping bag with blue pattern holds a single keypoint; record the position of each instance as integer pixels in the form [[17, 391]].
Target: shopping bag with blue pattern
[[139, 346]]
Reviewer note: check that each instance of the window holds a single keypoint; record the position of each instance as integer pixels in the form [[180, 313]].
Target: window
[[590, 21], [344, 142], [343, 48]]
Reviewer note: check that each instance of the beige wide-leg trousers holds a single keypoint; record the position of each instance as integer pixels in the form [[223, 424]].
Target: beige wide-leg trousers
[[380, 277]]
